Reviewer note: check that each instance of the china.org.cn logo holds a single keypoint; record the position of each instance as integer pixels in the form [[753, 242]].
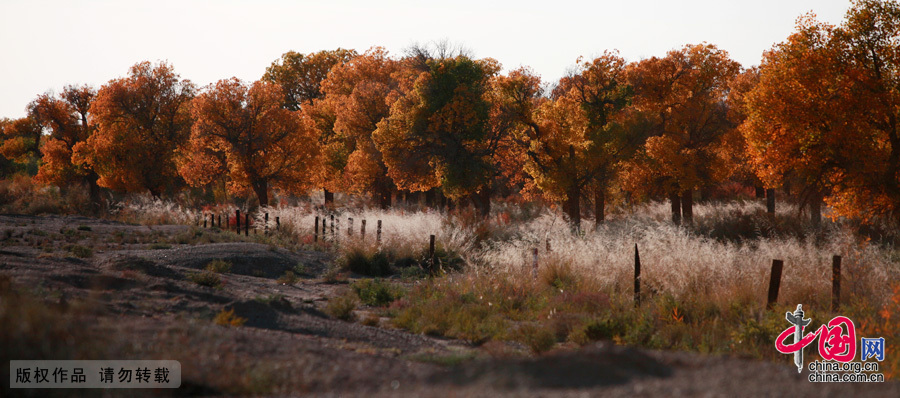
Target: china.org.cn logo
[[837, 347]]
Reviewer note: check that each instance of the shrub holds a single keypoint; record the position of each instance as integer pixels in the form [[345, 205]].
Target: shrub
[[538, 338], [218, 266], [206, 278], [360, 262], [342, 307], [228, 318], [376, 292], [81, 251], [289, 278]]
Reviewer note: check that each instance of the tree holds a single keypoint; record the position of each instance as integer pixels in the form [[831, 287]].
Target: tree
[[360, 93], [579, 138], [445, 120], [19, 143], [685, 93], [141, 122], [826, 109], [66, 120], [300, 77], [264, 145]]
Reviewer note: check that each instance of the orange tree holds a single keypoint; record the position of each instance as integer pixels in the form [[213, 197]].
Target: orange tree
[[66, 120], [300, 77], [439, 133], [826, 109], [685, 95], [262, 145], [141, 122], [359, 94]]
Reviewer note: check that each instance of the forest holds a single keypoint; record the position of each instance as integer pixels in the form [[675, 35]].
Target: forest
[[637, 225], [817, 117]]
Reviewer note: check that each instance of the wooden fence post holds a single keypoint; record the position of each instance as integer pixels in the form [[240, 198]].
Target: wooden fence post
[[362, 229], [266, 225], [431, 250], [378, 234], [237, 220], [204, 221], [774, 283], [835, 283], [278, 223], [246, 225], [220, 221], [770, 201], [332, 226], [316, 230], [637, 276]]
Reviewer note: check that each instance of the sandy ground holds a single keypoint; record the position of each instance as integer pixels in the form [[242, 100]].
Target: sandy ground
[[135, 283]]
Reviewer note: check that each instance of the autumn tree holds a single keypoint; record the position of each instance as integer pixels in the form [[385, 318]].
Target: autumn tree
[[265, 146], [439, 134], [584, 135], [360, 93], [19, 143], [685, 93], [65, 119], [141, 123], [826, 109], [300, 77]]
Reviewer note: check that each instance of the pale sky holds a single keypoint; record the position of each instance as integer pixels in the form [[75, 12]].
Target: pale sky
[[47, 44]]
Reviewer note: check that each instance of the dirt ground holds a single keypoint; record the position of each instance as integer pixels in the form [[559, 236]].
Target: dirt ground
[[132, 284]]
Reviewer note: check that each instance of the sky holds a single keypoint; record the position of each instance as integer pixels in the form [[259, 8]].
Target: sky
[[48, 44]]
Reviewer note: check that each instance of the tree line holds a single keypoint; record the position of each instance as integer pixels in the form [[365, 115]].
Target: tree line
[[819, 114]]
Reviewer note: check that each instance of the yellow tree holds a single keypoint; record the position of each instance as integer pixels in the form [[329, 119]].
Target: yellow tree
[[264, 145], [685, 94], [19, 143], [826, 109], [141, 122]]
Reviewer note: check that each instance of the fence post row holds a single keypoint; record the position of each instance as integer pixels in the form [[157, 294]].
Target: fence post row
[[774, 283]]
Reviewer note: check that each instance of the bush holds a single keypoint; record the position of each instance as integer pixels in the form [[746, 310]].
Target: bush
[[218, 266], [206, 278], [538, 338], [81, 251], [360, 262], [228, 318], [289, 278], [342, 307], [376, 292]]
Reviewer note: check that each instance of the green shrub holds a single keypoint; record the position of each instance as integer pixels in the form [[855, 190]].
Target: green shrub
[[360, 262], [376, 292], [342, 307], [538, 338]]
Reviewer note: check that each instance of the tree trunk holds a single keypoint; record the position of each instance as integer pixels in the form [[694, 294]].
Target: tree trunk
[[482, 201], [815, 209], [384, 198], [599, 207], [572, 206], [329, 198], [429, 198], [704, 194], [770, 201], [675, 201], [262, 193], [687, 206], [760, 192]]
